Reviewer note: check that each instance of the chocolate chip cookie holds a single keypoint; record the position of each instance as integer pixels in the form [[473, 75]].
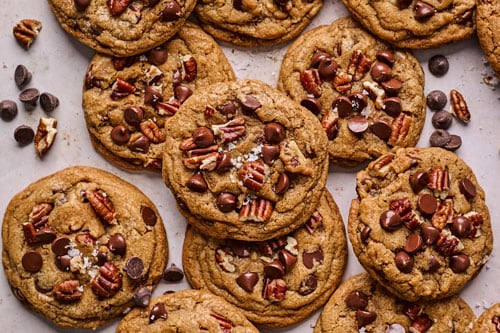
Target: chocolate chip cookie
[[277, 282], [244, 161], [122, 28], [253, 23], [420, 225], [416, 24], [186, 311], [487, 31], [361, 304], [488, 321], [126, 100], [77, 244], [368, 96]]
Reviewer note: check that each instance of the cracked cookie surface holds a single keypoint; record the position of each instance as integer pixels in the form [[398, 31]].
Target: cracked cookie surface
[[420, 225], [77, 244], [488, 25]]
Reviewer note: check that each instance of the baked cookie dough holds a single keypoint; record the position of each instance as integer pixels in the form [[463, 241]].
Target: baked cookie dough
[[488, 25], [420, 225], [368, 96], [278, 282], [361, 304], [122, 28], [77, 244], [244, 161], [416, 24], [186, 311], [488, 321], [126, 100], [253, 23]]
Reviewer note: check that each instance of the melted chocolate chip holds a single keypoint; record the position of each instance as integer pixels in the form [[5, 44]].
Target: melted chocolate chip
[[270, 153], [287, 259], [182, 93], [274, 270], [381, 72], [403, 262], [197, 183], [142, 296], [423, 11], [148, 215], [120, 135], [467, 188], [133, 115], [365, 233], [312, 104], [386, 56], [343, 105], [413, 243], [117, 244], [392, 87], [461, 226], [356, 300], [60, 246], [357, 124], [390, 220], [427, 203], [274, 132], [172, 12], [139, 145], [310, 259], [392, 106], [365, 317], [308, 285], [226, 202], [358, 101], [157, 56], [282, 184], [134, 267], [382, 128], [247, 281], [327, 68], [228, 109], [459, 263], [158, 312], [250, 103], [203, 137], [418, 181], [63, 262], [430, 234], [32, 261]]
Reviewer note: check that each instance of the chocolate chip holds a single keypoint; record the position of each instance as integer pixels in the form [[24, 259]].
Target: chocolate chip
[[386, 56], [392, 87], [438, 65], [442, 120], [120, 135], [157, 56], [310, 259], [403, 262], [439, 138], [423, 11], [247, 281], [173, 274], [308, 285], [133, 115], [312, 104], [48, 102], [197, 183], [356, 300], [139, 145], [251, 103], [358, 101], [436, 100], [427, 203], [392, 106], [467, 188], [459, 263], [148, 215], [60, 246], [228, 109], [274, 270], [390, 220], [32, 261], [142, 296], [381, 72], [274, 132], [203, 137], [430, 234], [8, 110], [22, 76], [461, 226], [182, 93], [117, 244], [433, 264], [158, 312], [240, 248], [382, 129], [224, 162], [287, 259], [418, 181], [343, 105], [318, 56], [413, 243], [226, 202], [282, 184], [454, 143], [365, 233], [63, 262], [357, 124], [365, 318], [152, 96], [327, 69], [24, 135], [172, 12], [134, 267], [270, 153], [402, 4], [29, 98]]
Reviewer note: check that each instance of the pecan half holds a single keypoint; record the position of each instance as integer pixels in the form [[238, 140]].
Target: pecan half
[[121, 88], [67, 291], [190, 68], [400, 128], [381, 166], [230, 131], [108, 282], [116, 7], [39, 214], [206, 161], [152, 131], [256, 209], [342, 82], [439, 182], [167, 108], [443, 214], [359, 65], [26, 30], [459, 107], [253, 175], [311, 82], [225, 260], [45, 135], [102, 205], [294, 159]]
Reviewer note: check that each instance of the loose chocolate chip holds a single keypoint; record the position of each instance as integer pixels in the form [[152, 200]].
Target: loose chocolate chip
[[413, 243], [29, 98], [436, 100], [274, 132], [172, 12], [327, 69], [226, 202], [390, 220], [203, 137], [343, 105], [418, 181], [22, 76], [439, 138], [459, 263], [120, 135], [282, 184], [63, 262], [395, 328], [461, 226], [32, 261], [142, 296], [467, 188], [182, 93], [356, 300], [60, 246], [438, 65], [48, 102], [133, 115], [250, 103], [158, 312], [148, 215], [308, 285], [287, 259], [454, 143], [365, 317], [247, 281], [117, 244], [197, 183], [139, 145], [24, 135], [392, 106], [157, 56], [402, 4], [382, 129], [270, 153], [365, 233], [392, 87], [173, 274], [8, 110], [381, 72], [274, 270], [386, 56], [423, 11], [312, 104], [427, 203], [310, 259], [430, 234], [134, 267], [403, 262], [357, 124], [442, 120]]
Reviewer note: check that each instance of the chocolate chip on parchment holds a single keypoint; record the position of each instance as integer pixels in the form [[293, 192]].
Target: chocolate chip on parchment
[[454, 143], [173, 274], [8, 110], [442, 120], [24, 135], [436, 100], [142, 296], [438, 65], [22, 76], [48, 102], [29, 97], [439, 138]]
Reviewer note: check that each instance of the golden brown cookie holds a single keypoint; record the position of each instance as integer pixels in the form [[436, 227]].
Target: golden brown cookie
[[368, 96], [488, 321], [126, 100], [278, 282], [488, 25], [77, 244], [420, 225]]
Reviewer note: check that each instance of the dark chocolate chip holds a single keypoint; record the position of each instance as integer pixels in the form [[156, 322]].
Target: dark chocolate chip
[[173, 274], [270, 153], [392, 87], [120, 135], [390, 220], [386, 56], [357, 124], [392, 106], [438, 65], [133, 115], [142, 296], [8, 110], [310, 259], [176, 78], [226, 202], [402, 4], [274, 132], [382, 129], [247, 281], [158, 312], [82, 4], [224, 162], [358, 101], [433, 264], [413, 243], [427, 203], [365, 317], [182, 93], [308, 285], [134, 267], [32, 261], [60, 246], [22, 76], [439, 138], [228, 109], [203, 137], [274, 270], [381, 72], [318, 56], [442, 120], [327, 69], [117, 244], [197, 183], [365, 233], [24, 135], [343, 105], [29, 97], [45, 235], [459, 263], [172, 12], [418, 181], [157, 56], [63, 262], [430, 234], [312, 104], [250, 103], [139, 145], [282, 184], [403, 262], [436, 100], [423, 11], [454, 143], [356, 300], [287, 259], [48, 102], [240, 248], [152, 96], [461, 226], [467, 188], [148, 215]]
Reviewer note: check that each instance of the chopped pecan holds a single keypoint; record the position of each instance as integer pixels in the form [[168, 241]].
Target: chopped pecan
[[256, 209], [67, 291], [476, 220], [443, 214], [314, 222], [225, 260], [421, 324], [412, 310], [330, 123], [206, 161], [342, 82], [121, 88], [380, 166], [116, 7], [406, 213], [359, 65], [376, 92], [152, 131], [274, 290], [224, 323], [253, 175], [167, 108], [45, 135], [459, 107], [26, 31], [439, 182], [448, 245], [311, 82], [189, 66], [400, 128], [108, 282], [294, 159], [209, 111], [39, 214], [102, 205], [230, 131]]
